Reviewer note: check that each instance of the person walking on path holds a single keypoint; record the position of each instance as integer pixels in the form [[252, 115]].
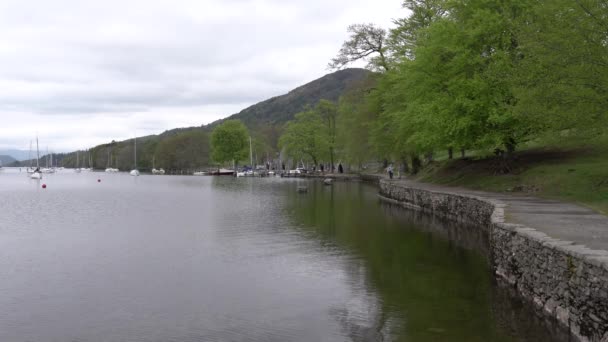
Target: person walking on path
[[340, 168], [389, 169]]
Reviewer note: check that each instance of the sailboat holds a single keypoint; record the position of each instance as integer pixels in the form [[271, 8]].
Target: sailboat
[[37, 174], [109, 166], [248, 173], [135, 172], [77, 169], [30, 169], [48, 169]]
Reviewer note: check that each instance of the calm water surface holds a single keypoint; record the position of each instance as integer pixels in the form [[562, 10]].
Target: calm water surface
[[163, 258]]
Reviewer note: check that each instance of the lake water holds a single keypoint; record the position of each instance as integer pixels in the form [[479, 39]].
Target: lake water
[[170, 258]]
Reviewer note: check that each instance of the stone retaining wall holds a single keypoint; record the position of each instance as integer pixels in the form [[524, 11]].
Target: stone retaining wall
[[568, 282]]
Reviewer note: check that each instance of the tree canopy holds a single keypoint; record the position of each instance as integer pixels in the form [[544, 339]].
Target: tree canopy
[[230, 142]]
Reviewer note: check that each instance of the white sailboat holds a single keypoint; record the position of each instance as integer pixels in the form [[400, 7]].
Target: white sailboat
[[77, 169], [48, 169], [249, 173], [37, 174], [109, 167], [135, 172], [30, 168]]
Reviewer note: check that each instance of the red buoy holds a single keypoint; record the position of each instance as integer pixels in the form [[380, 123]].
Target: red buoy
[[44, 186]]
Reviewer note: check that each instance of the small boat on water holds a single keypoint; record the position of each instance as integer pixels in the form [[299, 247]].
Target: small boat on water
[[155, 171], [36, 174], [220, 172], [223, 172]]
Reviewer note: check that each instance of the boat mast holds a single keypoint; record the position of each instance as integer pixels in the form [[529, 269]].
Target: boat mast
[[29, 154], [37, 155], [250, 154]]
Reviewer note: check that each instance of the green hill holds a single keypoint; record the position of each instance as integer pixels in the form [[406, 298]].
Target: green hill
[[278, 110], [188, 148], [5, 160]]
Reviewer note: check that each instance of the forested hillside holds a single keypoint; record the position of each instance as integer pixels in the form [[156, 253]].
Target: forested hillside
[[188, 148], [5, 160]]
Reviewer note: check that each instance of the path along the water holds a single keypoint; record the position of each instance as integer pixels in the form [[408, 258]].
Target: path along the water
[[559, 220]]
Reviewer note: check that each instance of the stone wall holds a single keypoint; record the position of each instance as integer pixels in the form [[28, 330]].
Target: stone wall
[[566, 281]]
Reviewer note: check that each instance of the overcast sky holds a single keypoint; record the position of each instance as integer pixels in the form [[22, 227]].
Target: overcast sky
[[80, 73]]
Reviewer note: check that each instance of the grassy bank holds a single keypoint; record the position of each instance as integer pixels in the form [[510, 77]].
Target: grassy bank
[[570, 173]]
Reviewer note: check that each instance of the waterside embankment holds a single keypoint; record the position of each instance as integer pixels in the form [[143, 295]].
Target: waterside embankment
[[552, 253]]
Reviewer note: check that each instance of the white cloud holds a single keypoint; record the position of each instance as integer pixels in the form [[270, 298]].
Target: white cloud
[[82, 73]]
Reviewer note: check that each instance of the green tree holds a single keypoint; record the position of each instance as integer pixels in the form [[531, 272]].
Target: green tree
[[185, 150], [328, 112], [230, 142], [563, 73], [306, 137], [366, 42], [356, 114]]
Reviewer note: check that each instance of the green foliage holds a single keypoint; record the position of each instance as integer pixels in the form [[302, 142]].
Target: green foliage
[[186, 150], [563, 76], [483, 75], [356, 114], [328, 111], [230, 142], [306, 138]]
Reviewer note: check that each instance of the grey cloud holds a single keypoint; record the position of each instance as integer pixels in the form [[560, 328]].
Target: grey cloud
[[199, 58]]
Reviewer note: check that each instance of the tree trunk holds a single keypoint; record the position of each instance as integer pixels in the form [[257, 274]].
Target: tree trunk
[[416, 164], [331, 158], [450, 153], [404, 166], [510, 146], [462, 153]]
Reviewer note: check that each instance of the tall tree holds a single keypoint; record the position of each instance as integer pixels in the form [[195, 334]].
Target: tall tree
[[306, 137], [366, 42], [230, 142], [402, 39], [328, 112], [356, 114]]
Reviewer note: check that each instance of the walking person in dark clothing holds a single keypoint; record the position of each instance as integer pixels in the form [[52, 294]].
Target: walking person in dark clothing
[[389, 169], [340, 168]]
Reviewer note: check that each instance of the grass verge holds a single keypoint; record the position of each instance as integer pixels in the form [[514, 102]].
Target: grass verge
[[572, 174]]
